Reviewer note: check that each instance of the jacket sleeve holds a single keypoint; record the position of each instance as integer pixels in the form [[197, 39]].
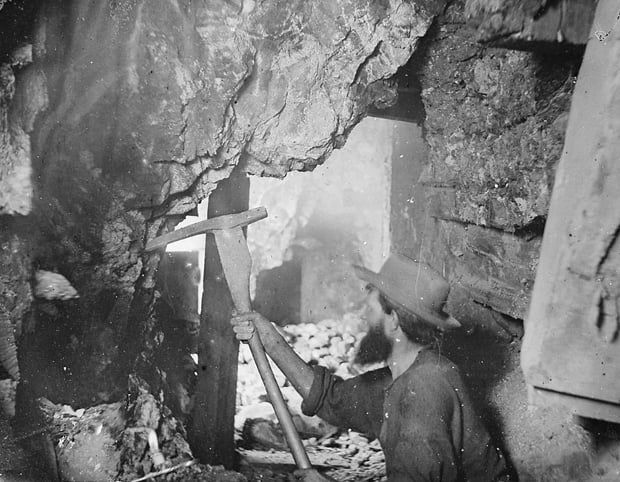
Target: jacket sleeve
[[355, 403]]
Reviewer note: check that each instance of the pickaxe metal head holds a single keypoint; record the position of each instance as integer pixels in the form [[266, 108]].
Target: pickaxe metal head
[[227, 221]]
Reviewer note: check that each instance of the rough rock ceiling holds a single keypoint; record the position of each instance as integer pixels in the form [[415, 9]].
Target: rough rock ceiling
[[184, 92], [117, 115]]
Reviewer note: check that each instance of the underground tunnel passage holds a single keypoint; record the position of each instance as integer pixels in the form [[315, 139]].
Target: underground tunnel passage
[[474, 140]]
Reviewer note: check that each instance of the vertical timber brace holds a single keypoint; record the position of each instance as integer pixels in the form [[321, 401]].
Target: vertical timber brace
[[571, 344], [212, 425]]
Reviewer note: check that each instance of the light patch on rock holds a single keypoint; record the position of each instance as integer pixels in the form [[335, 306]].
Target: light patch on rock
[[53, 286]]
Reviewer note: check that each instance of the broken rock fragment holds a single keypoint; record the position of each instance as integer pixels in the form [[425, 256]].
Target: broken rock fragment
[[53, 286]]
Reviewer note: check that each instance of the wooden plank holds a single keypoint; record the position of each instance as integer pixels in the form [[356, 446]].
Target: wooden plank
[[583, 407], [277, 458], [571, 341], [496, 268], [566, 23], [211, 433], [179, 276], [545, 28], [577, 20], [496, 294], [463, 205]]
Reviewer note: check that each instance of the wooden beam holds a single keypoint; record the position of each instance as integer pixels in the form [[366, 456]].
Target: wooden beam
[[579, 406], [555, 26], [211, 433], [572, 343], [495, 267]]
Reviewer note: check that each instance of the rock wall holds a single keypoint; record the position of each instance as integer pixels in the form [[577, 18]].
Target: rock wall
[[495, 124], [495, 129], [180, 92], [16, 198], [127, 114]]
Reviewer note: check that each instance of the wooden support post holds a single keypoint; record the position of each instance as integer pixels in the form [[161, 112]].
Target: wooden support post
[[572, 334], [211, 432]]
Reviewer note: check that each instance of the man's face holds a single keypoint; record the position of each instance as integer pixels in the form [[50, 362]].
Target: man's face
[[375, 347]]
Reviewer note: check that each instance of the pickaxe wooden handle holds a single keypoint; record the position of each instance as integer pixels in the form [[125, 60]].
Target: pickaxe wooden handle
[[236, 263]]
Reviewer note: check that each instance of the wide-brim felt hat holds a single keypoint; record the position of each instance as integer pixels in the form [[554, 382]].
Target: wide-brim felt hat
[[413, 286]]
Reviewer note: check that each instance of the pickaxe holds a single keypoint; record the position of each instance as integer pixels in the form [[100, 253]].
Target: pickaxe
[[236, 263]]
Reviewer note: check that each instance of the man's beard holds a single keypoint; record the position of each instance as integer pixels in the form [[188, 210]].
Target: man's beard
[[375, 347]]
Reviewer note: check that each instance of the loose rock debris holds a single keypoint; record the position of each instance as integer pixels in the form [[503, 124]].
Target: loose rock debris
[[125, 442], [140, 440], [53, 286], [343, 455]]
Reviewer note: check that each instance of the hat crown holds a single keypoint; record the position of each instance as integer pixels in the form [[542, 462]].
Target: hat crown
[[414, 286], [417, 282]]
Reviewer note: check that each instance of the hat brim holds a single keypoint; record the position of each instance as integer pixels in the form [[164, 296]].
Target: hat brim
[[441, 320]]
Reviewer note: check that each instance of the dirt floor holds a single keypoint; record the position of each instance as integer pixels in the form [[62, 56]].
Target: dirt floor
[[346, 457], [91, 444]]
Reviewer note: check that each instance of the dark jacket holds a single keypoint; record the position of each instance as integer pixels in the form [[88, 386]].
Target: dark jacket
[[424, 419]]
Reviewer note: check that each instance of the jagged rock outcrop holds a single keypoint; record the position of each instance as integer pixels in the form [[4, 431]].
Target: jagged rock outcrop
[[134, 111], [182, 92]]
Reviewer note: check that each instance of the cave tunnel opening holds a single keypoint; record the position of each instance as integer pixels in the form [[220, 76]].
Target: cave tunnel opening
[[319, 224]]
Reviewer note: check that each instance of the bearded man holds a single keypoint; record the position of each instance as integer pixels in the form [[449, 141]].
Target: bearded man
[[417, 405]]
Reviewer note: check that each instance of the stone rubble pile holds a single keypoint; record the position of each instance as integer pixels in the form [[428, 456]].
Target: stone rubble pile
[[348, 455]]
